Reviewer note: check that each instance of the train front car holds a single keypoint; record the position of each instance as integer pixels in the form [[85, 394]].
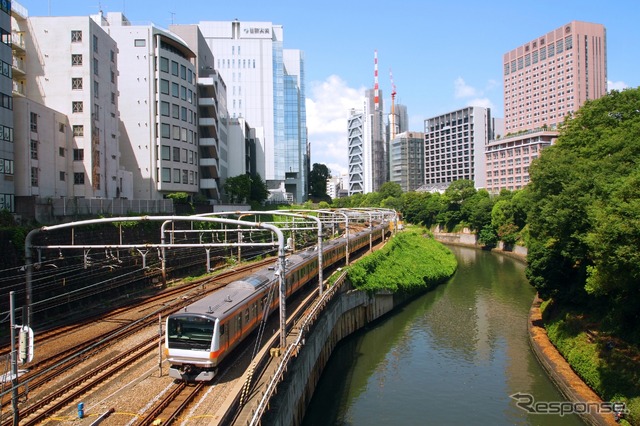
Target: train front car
[[191, 345]]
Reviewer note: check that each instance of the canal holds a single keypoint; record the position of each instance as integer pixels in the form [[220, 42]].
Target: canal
[[452, 356]]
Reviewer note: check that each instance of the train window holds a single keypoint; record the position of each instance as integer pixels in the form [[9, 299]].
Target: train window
[[239, 319], [246, 316], [221, 329]]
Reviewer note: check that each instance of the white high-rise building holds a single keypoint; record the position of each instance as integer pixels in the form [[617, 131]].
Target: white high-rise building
[[158, 107], [454, 147], [265, 86], [70, 67], [367, 147]]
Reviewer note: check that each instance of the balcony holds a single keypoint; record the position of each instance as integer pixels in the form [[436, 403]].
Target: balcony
[[18, 88], [18, 67], [17, 42]]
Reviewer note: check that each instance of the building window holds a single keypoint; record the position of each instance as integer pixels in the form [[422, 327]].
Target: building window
[[6, 167], [34, 122], [174, 68], [176, 133], [34, 176], [164, 108], [185, 176], [166, 174], [166, 152], [139, 42], [112, 56], [164, 64], [113, 98], [78, 178], [165, 130], [95, 66], [78, 154], [175, 110], [34, 149], [113, 76], [76, 60], [176, 175], [76, 36], [61, 151], [176, 154], [175, 90], [7, 101], [76, 83], [63, 176], [78, 130], [96, 89], [164, 86], [183, 72], [95, 43]]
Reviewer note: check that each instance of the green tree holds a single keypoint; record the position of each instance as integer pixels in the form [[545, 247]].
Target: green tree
[[390, 189], [318, 182], [258, 192], [476, 210], [583, 221], [238, 188]]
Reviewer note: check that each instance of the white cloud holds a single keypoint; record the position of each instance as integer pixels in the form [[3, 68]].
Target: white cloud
[[462, 90], [480, 102], [616, 85], [328, 105]]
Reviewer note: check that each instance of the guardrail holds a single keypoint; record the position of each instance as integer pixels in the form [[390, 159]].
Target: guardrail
[[293, 348]]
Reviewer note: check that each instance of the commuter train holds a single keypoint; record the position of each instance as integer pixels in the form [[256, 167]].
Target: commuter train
[[201, 335]]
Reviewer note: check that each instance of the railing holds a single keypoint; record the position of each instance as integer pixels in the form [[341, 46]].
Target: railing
[[292, 349]]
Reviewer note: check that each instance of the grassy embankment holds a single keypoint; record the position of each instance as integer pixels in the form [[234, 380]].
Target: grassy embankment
[[411, 261], [608, 364]]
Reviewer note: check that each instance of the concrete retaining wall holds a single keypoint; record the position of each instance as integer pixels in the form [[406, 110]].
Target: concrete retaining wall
[[348, 312]]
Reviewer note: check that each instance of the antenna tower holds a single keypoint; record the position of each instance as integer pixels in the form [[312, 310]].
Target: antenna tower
[[375, 78], [392, 118]]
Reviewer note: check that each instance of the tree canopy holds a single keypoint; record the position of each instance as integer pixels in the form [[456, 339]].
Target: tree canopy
[[318, 182], [584, 219], [246, 189]]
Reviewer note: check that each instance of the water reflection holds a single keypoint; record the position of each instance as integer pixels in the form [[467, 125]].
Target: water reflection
[[452, 356]]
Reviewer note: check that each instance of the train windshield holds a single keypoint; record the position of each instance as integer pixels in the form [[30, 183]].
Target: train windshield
[[190, 332]]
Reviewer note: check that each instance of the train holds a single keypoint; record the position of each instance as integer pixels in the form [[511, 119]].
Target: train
[[201, 335]]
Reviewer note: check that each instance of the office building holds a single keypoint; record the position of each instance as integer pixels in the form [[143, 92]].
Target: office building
[[545, 80], [158, 110], [406, 160], [7, 48], [265, 86], [367, 145], [454, 147]]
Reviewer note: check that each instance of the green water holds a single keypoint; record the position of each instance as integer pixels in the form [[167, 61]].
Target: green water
[[451, 357]]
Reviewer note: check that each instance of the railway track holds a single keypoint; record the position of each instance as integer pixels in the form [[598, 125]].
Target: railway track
[[44, 371], [65, 395]]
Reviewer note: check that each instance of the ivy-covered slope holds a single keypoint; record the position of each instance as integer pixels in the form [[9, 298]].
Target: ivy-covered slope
[[411, 261]]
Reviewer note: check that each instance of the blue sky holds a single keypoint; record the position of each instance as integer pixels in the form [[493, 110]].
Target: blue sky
[[443, 55]]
